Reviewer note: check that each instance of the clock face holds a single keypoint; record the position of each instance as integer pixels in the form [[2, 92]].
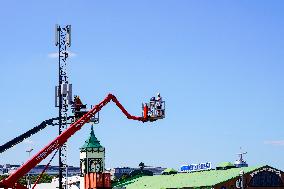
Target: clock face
[[98, 167], [95, 165]]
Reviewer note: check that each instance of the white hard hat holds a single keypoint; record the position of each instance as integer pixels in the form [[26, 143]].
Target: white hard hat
[[158, 94]]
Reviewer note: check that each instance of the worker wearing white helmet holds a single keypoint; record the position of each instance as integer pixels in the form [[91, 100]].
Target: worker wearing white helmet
[[159, 98], [159, 104]]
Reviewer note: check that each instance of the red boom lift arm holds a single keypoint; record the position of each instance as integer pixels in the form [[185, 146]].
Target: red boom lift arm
[[11, 181]]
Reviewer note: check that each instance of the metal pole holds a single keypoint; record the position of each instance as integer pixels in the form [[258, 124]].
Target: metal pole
[[60, 106], [242, 178], [242, 181], [29, 183], [64, 93]]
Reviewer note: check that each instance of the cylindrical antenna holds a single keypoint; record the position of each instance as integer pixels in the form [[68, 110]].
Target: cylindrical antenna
[[57, 29], [68, 35]]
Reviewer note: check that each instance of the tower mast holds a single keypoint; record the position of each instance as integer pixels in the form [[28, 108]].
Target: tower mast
[[63, 96]]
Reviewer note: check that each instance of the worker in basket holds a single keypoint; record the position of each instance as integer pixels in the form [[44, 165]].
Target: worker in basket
[[159, 102], [78, 106], [155, 106]]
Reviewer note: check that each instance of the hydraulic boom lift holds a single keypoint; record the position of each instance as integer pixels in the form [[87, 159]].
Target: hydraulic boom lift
[[11, 181], [29, 133]]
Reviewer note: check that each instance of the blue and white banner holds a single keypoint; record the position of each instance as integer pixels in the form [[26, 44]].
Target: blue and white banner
[[196, 167]]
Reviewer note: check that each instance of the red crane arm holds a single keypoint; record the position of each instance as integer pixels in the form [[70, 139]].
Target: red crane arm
[[61, 139]]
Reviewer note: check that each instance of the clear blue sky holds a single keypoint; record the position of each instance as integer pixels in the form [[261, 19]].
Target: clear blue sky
[[218, 64]]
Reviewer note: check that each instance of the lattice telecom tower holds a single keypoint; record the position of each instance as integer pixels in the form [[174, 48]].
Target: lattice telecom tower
[[63, 93]]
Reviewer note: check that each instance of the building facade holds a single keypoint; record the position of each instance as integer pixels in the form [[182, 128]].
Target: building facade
[[264, 177]]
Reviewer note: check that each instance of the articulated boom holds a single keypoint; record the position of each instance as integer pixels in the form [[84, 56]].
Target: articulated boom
[[11, 181]]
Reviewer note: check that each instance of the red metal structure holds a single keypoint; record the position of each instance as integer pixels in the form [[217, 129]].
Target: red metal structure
[[11, 181]]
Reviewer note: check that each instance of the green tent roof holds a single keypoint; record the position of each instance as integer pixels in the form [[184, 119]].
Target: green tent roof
[[205, 179], [170, 170], [92, 141], [226, 164]]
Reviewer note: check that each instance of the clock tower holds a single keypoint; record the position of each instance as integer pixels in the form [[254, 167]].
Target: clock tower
[[92, 157]]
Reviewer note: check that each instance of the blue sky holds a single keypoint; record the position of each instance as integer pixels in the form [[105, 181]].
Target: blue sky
[[218, 64]]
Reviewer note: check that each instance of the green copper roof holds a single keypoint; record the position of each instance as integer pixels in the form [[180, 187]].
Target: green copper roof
[[205, 179], [92, 141]]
